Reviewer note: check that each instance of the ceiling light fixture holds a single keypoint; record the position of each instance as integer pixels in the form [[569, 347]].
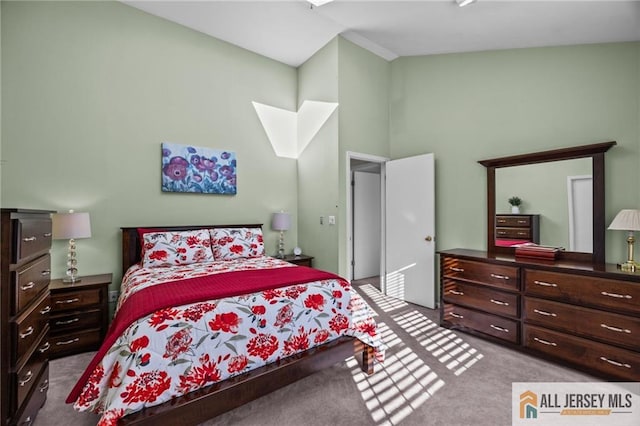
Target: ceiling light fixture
[[318, 3], [462, 3]]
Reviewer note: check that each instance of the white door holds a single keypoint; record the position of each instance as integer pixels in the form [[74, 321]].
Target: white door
[[580, 191], [366, 225], [410, 229]]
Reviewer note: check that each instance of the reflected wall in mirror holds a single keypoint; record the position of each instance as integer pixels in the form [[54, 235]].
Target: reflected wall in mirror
[[555, 192], [594, 154]]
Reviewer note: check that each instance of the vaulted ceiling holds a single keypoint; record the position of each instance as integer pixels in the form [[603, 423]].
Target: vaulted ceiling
[[291, 31]]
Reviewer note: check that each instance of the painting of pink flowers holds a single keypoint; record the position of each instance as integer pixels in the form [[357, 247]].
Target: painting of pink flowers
[[188, 168]]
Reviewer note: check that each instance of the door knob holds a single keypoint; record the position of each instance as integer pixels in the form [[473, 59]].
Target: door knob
[[428, 238]]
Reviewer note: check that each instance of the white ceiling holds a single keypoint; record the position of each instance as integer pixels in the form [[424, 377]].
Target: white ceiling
[[291, 31]]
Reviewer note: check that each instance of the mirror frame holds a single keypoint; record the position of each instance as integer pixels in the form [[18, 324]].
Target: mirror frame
[[596, 152]]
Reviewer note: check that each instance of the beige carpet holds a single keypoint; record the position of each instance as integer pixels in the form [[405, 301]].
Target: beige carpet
[[432, 376]]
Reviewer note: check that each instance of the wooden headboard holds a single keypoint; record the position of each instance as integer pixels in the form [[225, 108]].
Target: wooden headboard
[[131, 247]]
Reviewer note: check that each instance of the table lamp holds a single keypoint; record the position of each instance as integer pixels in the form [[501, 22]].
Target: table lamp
[[627, 220], [71, 226], [281, 222]]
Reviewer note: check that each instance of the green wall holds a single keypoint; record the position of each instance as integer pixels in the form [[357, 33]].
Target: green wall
[[363, 80], [91, 89], [473, 106], [318, 164]]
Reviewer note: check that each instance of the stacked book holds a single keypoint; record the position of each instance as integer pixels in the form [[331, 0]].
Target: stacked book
[[536, 251]]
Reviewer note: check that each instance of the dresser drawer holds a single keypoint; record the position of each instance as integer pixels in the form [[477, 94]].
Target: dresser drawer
[[500, 276], [26, 377], [482, 298], [79, 341], [33, 237], [83, 319], [29, 327], [29, 412], [30, 280], [611, 328], [606, 359], [513, 221], [524, 233], [71, 300], [492, 325], [580, 289]]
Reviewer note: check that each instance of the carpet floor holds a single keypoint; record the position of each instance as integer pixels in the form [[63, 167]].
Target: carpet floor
[[431, 376]]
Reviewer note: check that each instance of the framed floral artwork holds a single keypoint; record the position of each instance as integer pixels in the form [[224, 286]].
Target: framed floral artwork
[[188, 168]]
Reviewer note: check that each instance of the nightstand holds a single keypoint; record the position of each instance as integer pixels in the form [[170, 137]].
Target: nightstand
[[301, 260], [79, 314]]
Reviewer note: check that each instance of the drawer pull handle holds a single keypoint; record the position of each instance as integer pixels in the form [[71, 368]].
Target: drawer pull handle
[[45, 386], [545, 313], [27, 333], [44, 348], [27, 421], [617, 296], [456, 292], [64, 302], [498, 302], [523, 233], [46, 310], [545, 342], [29, 239], [500, 277], [28, 286], [504, 330], [545, 284], [71, 321], [67, 342], [46, 234], [45, 272], [619, 330], [616, 363], [454, 269], [522, 222], [27, 378], [453, 314], [502, 232]]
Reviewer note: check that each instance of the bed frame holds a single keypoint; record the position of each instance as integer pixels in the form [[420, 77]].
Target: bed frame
[[201, 405]]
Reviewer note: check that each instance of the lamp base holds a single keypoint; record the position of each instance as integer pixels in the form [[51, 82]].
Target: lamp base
[[629, 266], [71, 280]]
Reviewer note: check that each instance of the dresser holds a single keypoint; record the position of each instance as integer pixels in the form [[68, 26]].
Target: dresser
[[79, 314], [512, 228], [582, 315], [24, 346]]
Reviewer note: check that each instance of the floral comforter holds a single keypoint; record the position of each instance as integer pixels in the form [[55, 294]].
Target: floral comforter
[[180, 349]]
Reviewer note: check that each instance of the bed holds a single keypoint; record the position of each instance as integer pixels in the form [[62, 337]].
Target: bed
[[209, 363]]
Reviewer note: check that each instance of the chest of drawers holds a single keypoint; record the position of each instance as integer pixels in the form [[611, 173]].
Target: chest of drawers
[[24, 313], [584, 316], [512, 228]]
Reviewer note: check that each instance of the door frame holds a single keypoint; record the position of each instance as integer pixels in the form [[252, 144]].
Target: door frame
[[350, 155]]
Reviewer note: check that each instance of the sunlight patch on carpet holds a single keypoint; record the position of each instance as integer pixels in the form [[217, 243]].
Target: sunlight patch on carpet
[[385, 303], [396, 391], [449, 348]]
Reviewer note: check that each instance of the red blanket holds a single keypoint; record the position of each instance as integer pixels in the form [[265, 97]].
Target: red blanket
[[192, 290]]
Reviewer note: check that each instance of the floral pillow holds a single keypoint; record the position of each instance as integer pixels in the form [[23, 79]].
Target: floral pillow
[[236, 243], [176, 248]]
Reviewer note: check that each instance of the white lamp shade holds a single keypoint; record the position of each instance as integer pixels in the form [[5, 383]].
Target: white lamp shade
[[71, 225], [626, 220], [281, 221]]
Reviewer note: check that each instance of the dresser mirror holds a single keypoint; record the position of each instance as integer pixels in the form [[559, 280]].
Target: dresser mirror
[[541, 180], [559, 193]]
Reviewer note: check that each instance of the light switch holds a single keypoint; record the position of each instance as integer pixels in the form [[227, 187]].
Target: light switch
[[321, 220], [332, 220]]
